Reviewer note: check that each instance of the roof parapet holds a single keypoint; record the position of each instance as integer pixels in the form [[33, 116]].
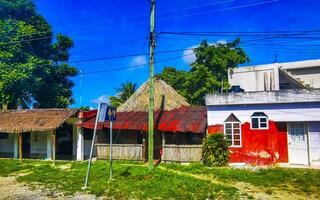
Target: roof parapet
[[264, 97]]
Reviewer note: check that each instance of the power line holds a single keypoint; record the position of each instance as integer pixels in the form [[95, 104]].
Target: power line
[[107, 46], [309, 33], [196, 6], [134, 66], [127, 56], [219, 10]]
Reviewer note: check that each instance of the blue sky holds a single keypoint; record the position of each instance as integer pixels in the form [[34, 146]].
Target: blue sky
[[104, 28]]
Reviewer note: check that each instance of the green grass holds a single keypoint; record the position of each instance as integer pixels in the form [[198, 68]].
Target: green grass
[[131, 181], [300, 181], [135, 181]]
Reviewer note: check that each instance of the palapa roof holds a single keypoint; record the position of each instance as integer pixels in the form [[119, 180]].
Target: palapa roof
[[172, 112], [19, 121], [165, 98]]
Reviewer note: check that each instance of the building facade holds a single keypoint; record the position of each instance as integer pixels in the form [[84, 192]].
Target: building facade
[[268, 127], [43, 134], [277, 76]]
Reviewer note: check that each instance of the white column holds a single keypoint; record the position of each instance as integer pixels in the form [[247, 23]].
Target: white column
[[49, 146], [15, 145], [276, 77], [80, 144]]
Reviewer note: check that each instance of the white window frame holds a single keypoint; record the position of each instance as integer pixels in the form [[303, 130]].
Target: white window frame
[[232, 134], [259, 122]]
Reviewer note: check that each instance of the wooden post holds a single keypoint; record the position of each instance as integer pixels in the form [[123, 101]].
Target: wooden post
[[163, 139], [54, 147], [20, 147]]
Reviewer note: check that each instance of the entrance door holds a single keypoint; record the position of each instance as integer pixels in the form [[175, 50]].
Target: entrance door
[[64, 143], [298, 152], [26, 145]]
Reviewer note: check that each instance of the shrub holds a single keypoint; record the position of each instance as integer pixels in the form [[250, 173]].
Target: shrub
[[215, 150]]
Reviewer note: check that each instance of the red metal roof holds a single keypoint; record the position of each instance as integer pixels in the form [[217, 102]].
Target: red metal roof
[[184, 119]]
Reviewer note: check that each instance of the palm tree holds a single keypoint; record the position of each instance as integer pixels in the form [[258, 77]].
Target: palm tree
[[123, 93]]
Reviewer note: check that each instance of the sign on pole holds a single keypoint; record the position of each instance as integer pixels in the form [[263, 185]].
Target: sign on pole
[[102, 116], [111, 116]]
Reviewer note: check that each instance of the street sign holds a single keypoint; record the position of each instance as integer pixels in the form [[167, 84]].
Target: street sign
[[104, 113], [107, 113]]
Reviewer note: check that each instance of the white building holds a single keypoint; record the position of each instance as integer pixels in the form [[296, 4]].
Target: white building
[[44, 134], [277, 76], [268, 127]]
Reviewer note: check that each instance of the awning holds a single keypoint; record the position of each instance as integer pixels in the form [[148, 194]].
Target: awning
[[184, 119]]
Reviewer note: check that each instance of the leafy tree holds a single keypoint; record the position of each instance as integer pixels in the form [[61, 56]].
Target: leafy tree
[[33, 64], [209, 72], [85, 108], [215, 152], [123, 94]]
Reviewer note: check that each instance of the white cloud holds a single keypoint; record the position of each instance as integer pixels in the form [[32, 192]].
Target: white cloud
[[221, 42], [101, 99], [139, 60], [188, 55]]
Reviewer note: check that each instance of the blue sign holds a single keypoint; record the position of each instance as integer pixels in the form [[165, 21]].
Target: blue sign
[[107, 113]]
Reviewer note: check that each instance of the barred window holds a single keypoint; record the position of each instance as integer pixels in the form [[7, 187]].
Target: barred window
[[232, 130]]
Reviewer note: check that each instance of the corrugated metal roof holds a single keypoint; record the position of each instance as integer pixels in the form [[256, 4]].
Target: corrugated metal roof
[[184, 119]]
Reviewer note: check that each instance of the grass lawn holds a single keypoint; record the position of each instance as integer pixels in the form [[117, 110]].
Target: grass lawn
[[169, 181]]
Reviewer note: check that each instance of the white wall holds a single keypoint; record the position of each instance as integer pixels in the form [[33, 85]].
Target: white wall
[[276, 112], [254, 80], [310, 76], [314, 141], [38, 143]]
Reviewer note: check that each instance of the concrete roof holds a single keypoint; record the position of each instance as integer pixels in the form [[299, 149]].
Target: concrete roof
[[264, 97], [286, 65]]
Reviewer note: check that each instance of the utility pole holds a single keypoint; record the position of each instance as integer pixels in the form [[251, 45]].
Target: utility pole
[[152, 46]]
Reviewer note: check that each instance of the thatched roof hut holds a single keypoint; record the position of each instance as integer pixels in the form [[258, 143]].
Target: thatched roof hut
[[172, 112], [19, 121], [165, 97]]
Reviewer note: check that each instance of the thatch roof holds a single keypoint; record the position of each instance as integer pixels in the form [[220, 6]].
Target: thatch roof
[[19, 121], [165, 97]]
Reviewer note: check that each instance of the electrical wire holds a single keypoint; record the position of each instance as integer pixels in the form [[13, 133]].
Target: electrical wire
[[134, 66], [219, 10]]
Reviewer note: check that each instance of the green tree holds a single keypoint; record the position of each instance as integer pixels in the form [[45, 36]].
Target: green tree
[[175, 78], [123, 94], [209, 72], [33, 64]]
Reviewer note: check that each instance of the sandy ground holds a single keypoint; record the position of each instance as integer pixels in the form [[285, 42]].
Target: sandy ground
[[11, 189]]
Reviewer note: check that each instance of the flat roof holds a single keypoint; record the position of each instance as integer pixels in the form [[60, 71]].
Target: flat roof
[[264, 97], [284, 65]]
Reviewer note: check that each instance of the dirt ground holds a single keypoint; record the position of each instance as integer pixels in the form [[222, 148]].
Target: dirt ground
[[11, 189]]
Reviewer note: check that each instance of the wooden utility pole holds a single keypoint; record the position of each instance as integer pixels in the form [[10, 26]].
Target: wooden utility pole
[[20, 147], [152, 46], [54, 147]]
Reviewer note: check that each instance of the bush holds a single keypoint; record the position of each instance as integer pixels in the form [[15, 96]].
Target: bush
[[215, 150]]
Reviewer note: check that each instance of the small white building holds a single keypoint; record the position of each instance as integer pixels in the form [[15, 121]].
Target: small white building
[[277, 76], [43, 134], [268, 127]]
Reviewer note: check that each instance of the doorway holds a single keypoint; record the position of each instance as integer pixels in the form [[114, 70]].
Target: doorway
[[298, 144], [64, 142], [26, 145]]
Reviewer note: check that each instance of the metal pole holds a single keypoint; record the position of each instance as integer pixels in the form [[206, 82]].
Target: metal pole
[[151, 85], [110, 156], [91, 150]]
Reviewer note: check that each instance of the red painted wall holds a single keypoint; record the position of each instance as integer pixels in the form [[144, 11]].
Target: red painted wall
[[260, 147]]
